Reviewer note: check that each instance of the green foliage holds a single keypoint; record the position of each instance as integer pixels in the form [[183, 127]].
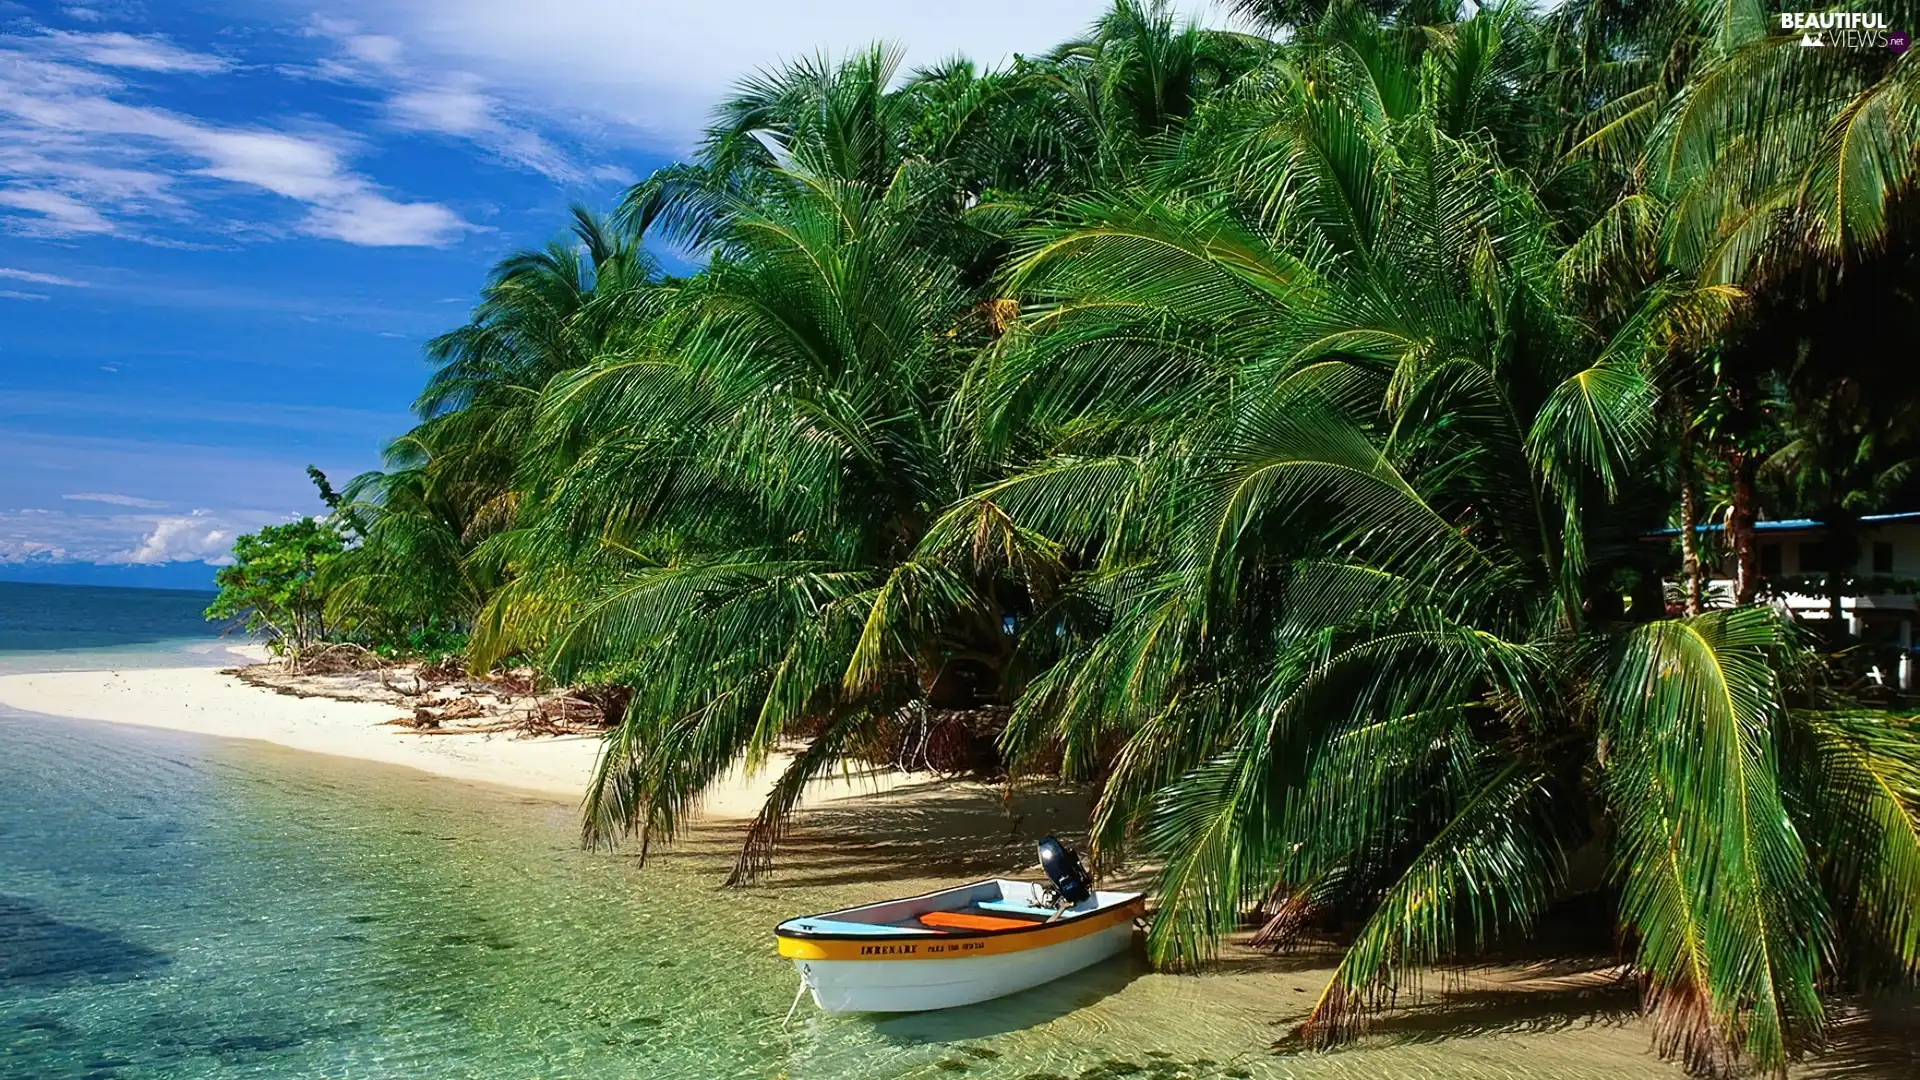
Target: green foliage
[[1265, 428], [274, 585]]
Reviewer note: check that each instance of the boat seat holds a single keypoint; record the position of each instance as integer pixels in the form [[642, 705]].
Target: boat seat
[[1018, 907], [836, 926], [961, 920]]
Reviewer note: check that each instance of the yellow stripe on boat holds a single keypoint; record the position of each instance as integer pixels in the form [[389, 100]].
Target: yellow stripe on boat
[[953, 946]]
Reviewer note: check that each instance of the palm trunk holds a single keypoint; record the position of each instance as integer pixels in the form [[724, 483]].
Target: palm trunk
[[1690, 567], [1843, 553], [1740, 526]]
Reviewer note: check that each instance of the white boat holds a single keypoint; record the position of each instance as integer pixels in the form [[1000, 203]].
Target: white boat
[[956, 946]]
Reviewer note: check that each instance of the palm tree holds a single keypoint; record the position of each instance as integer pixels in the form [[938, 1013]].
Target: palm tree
[[1342, 470], [455, 478], [1261, 429], [1742, 161], [762, 466]]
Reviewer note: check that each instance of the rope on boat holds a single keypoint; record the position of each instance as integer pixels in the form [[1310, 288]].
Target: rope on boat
[[791, 1009]]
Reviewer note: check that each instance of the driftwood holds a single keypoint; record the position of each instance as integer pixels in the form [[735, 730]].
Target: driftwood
[[443, 698], [335, 658]]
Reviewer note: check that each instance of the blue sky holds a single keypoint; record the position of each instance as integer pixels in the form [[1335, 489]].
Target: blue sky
[[227, 228]]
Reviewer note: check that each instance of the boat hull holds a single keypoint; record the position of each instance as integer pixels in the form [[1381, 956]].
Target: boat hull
[[920, 985]]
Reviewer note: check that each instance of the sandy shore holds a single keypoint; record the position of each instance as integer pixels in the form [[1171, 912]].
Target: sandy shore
[[927, 832], [210, 702]]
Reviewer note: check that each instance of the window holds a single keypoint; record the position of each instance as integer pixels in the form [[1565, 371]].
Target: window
[[1770, 560], [1883, 558], [1813, 557]]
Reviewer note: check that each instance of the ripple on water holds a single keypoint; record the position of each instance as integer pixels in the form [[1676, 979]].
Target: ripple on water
[[196, 908]]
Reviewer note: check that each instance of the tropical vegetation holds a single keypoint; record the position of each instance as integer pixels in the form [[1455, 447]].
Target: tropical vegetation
[[1266, 426]]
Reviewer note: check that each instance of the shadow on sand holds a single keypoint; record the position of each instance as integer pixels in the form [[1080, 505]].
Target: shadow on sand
[[947, 831], [1870, 1039], [932, 829]]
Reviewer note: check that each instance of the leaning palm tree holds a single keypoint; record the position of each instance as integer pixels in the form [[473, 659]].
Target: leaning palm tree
[[1347, 482], [755, 475]]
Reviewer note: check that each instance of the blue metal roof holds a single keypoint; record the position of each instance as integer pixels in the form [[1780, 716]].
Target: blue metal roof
[[1799, 524]]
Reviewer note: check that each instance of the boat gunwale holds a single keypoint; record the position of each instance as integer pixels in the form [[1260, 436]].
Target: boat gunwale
[[780, 930]]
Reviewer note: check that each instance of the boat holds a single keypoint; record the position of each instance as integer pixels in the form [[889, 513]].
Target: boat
[[962, 945]]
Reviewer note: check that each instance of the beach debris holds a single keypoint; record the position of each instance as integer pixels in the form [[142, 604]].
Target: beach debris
[[462, 708], [442, 698]]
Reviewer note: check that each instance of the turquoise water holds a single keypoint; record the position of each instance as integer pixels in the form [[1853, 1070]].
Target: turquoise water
[[80, 627], [180, 906], [176, 906]]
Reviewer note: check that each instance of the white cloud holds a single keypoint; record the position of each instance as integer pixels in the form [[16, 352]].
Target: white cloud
[[452, 103], [377, 49], [40, 279], [59, 214], [78, 159], [115, 500], [656, 67], [16, 294], [122, 538], [372, 221], [83, 14], [115, 49], [201, 536], [453, 110], [14, 550]]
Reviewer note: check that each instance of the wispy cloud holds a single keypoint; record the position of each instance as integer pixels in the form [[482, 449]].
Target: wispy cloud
[[59, 214], [153, 53], [450, 103], [650, 72], [115, 500], [39, 278], [79, 159], [16, 294]]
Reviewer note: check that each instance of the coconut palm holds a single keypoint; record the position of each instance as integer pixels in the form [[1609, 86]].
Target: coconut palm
[[762, 466], [1261, 430], [455, 478], [1347, 477], [1736, 158]]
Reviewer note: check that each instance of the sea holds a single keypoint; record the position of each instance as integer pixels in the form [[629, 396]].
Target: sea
[[174, 905]]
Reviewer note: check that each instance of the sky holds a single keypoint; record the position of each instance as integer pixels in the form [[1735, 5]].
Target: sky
[[227, 228]]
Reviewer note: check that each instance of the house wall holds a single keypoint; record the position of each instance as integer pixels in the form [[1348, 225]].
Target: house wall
[[1903, 536]]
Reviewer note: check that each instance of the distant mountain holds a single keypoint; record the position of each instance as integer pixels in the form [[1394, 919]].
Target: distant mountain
[[179, 575]]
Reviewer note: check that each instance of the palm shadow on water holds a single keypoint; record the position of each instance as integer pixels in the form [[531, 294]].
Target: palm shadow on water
[[39, 949]]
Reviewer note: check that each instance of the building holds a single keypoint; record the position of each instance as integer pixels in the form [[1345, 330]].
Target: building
[[1793, 564]]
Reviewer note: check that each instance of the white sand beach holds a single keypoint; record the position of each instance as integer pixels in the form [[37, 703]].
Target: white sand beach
[[208, 701]]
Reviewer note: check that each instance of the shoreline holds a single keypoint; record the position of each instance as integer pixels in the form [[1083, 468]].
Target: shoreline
[[220, 703], [871, 835]]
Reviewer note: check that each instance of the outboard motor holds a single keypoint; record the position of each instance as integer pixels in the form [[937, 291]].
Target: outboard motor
[[1070, 879]]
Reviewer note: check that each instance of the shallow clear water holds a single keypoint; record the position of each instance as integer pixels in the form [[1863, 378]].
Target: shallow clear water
[[180, 906], [175, 906]]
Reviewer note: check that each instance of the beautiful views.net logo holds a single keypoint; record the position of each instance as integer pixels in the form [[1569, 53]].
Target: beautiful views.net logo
[[1845, 30]]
